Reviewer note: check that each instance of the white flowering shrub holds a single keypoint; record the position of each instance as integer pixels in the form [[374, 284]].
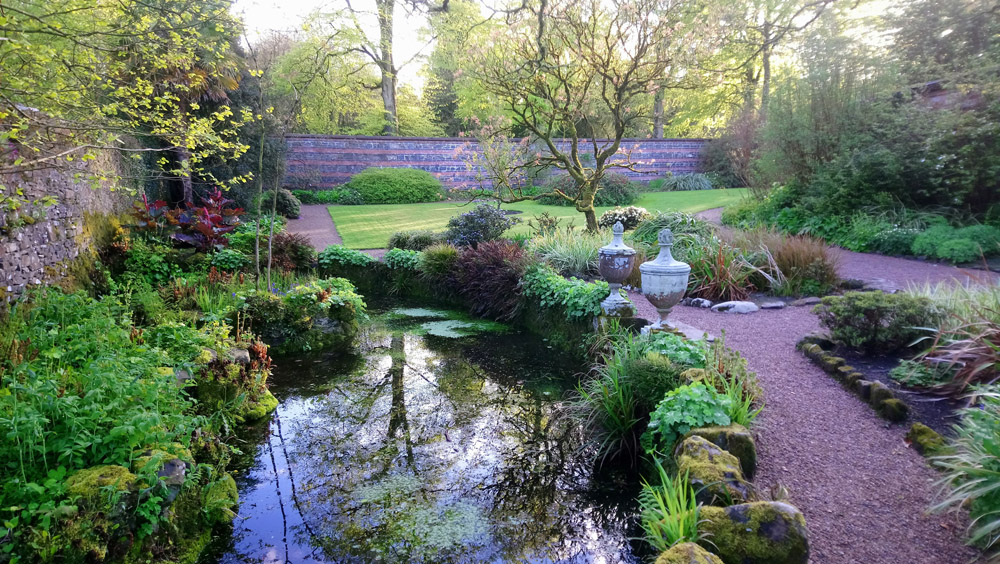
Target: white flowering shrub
[[630, 217]]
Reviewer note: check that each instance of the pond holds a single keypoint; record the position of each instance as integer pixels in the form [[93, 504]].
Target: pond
[[442, 440]]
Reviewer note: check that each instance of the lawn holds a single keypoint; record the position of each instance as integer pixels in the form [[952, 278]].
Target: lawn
[[369, 227]]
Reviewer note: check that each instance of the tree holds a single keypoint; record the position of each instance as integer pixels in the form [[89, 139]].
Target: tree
[[566, 68], [80, 75]]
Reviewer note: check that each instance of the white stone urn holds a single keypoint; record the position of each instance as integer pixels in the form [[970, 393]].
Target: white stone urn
[[664, 280], [615, 262]]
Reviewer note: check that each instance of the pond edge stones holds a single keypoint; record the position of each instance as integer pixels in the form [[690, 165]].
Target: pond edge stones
[[762, 532]]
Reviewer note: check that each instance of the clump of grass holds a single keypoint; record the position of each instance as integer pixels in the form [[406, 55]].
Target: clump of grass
[[795, 264], [571, 252], [719, 272], [669, 510]]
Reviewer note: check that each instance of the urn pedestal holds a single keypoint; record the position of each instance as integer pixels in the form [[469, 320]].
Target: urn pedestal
[[664, 280], [615, 263]]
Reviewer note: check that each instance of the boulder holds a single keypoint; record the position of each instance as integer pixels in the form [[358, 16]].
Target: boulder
[[894, 410], [697, 302], [773, 305], [806, 301], [239, 356], [87, 484], [687, 553], [830, 363], [878, 393], [714, 474], [925, 440], [843, 372], [851, 380], [734, 439], [817, 338], [763, 532], [812, 351], [736, 307], [863, 388]]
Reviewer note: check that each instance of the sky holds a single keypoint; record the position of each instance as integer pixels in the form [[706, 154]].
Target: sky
[[263, 16]]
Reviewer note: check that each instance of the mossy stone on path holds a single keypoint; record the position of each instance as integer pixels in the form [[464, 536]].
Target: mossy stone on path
[[714, 474], [894, 410], [756, 533], [687, 553], [734, 439], [878, 393], [925, 440], [830, 364]]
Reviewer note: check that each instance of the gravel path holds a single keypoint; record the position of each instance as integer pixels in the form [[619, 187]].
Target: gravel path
[[863, 491]]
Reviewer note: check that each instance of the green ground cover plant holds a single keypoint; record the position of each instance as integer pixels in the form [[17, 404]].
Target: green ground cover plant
[[370, 227]]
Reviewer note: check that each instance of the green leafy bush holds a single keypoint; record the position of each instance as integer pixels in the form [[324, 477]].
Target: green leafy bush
[[290, 252], [394, 186], [966, 244], [414, 240], [483, 223], [917, 374], [926, 243], [669, 510], [876, 322], [149, 262], [287, 205], [230, 260], [401, 259], [614, 189], [630, 217], [488, 277], [579, 299], [679, 350], [897, 241], [685, 408], [650, 376], [959, 250], [338, 256]]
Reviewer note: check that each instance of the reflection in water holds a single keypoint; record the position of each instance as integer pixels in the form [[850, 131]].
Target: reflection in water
[[426, 449]]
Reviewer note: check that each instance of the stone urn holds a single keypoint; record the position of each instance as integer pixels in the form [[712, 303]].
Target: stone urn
[[615, 263], [664, 280]]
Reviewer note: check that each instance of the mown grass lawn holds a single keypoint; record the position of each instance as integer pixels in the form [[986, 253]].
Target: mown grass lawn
[[369, 227]]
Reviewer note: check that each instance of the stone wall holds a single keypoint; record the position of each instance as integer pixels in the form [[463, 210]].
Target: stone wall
[[60, 237], [324, 161]]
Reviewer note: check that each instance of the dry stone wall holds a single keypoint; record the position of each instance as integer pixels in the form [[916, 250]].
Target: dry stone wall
[[325, 161], [46, 243]]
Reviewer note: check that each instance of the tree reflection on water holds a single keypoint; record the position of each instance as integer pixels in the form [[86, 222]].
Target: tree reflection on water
[[434, 450]]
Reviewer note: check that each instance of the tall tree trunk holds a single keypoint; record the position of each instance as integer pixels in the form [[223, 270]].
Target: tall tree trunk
[[591, 217], [187, 185], [765, 90], [658, 114], [386, 66]]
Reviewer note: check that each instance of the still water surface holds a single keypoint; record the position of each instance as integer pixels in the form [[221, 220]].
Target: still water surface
[[426, 448]]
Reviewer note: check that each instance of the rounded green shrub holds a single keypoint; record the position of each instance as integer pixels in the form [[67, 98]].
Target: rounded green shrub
[[895, 242], [986, 237], [414, 240], [287, 204], [926, 243], [959, 250], [394, 186], [615, 189], [876, 322], [484, 223], [438, 261], [229, 260]]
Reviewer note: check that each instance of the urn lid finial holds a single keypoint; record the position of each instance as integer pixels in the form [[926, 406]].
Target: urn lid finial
[[665, 263], [617, 245]]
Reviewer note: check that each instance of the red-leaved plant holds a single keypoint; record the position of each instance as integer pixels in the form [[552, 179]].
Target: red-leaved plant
[[149, 216], [203, 226]]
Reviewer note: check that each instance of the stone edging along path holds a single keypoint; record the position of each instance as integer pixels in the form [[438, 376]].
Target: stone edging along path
[[863, 491]]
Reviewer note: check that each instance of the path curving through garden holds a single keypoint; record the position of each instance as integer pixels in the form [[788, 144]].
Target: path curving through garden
[[863, 491]]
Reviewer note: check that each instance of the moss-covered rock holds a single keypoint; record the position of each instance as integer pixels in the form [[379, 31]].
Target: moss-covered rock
[[830, 364], [843, 372], [756, 533], [894, 410], [925, 440], [812, 351], [263, 406], [692, 375], [734, 439], [714, 474], [863, 388], [88, 483], [220, 497], [878, 393], [821, 340], [687, 553], [851, 380]]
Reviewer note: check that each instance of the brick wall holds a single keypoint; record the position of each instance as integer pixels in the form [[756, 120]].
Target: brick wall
[[324, 161]]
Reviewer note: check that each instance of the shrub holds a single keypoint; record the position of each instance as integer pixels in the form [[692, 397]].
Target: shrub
[[230, 260], [580, 299], [718, 272], [413, 240], [987, 237], [650, 377], [287, 205], [483, 223], [614, 189], [681, 182], [338, 256], [744, 215], [306, 196], [489, 277], [926, 243], [897, 241], [290, 252], [878, 322], [958, 250], [680, 223], [438, 263], [916, 374], [972, 470], [685, 408], [630, 217], [148, 261], [394, 186], [351, 197], [572, 253], [401, 259]]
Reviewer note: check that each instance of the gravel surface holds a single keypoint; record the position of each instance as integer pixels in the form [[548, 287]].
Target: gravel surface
[[864, 493]]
